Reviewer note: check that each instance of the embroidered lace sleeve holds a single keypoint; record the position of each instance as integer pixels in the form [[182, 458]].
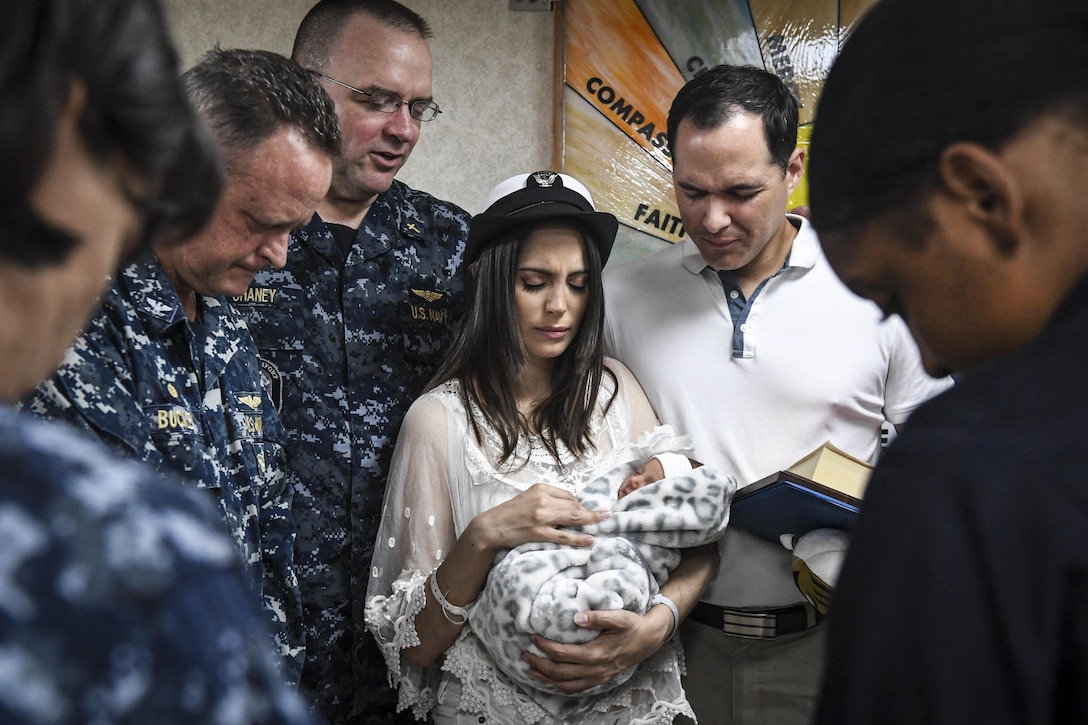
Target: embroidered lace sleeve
[[415, 534]]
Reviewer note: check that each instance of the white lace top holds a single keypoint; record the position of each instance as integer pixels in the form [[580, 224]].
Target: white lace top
[[440, 479]]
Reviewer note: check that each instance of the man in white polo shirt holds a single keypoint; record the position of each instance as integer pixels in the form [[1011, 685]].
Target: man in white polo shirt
[[744, 339]]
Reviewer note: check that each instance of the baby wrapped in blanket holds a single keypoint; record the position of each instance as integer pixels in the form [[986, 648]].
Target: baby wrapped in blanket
[[538, 588]]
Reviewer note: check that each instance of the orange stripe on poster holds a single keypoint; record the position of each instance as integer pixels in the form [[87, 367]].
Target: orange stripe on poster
[[615, 61]]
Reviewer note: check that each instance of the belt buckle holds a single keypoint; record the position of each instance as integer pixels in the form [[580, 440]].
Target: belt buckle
[[749, 625], [763, 624]]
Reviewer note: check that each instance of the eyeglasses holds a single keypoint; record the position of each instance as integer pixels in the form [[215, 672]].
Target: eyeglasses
[[389, 102]]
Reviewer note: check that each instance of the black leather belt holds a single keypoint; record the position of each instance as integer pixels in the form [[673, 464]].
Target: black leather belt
[[757, 623]]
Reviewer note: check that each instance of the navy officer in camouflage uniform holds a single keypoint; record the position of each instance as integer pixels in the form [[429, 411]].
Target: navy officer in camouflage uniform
[[121, 599], [167, 372], [354, 325]]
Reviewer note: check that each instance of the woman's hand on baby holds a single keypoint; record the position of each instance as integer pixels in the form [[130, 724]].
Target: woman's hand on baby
[[625, 640], [536, 514]]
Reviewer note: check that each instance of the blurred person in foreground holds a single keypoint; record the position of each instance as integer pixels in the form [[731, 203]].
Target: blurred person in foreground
[[166, 371], [950, 163], [121, 600]]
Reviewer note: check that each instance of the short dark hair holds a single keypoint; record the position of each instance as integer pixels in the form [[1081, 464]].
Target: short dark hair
[[488, 355], [245, 96], [320, 29], [918, 75], [136, 111], [717, 94]]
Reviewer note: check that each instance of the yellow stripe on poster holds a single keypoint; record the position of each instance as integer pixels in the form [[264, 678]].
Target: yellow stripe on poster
[[632, 186], [799, 39], [799, 197]]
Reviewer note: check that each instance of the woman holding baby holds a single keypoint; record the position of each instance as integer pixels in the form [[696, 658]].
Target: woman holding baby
[[523, 414]]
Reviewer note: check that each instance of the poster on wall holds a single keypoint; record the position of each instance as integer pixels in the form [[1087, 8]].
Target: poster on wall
[[623, 62]]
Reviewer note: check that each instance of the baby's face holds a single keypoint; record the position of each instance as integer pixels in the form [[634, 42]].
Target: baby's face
[[649, 472]]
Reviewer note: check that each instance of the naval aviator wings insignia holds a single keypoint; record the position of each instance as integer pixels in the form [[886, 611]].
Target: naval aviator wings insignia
[[427, 294]]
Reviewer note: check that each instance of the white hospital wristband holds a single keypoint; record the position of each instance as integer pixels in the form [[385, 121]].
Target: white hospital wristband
[[662, 599]]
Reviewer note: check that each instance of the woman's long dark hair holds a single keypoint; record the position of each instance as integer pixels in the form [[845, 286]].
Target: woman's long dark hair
[[488, 355]]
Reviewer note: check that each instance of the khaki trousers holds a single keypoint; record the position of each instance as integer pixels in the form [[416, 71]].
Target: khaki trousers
[[737, 681]]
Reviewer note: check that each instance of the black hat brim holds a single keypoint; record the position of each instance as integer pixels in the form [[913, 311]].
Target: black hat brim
[[489, 227]]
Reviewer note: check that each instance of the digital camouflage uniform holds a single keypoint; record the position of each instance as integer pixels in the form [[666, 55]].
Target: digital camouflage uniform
[[121, 599], [347, 345], [188, 398]]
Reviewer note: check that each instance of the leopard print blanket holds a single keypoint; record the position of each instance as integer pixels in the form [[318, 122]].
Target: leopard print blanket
[[537, 588]]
